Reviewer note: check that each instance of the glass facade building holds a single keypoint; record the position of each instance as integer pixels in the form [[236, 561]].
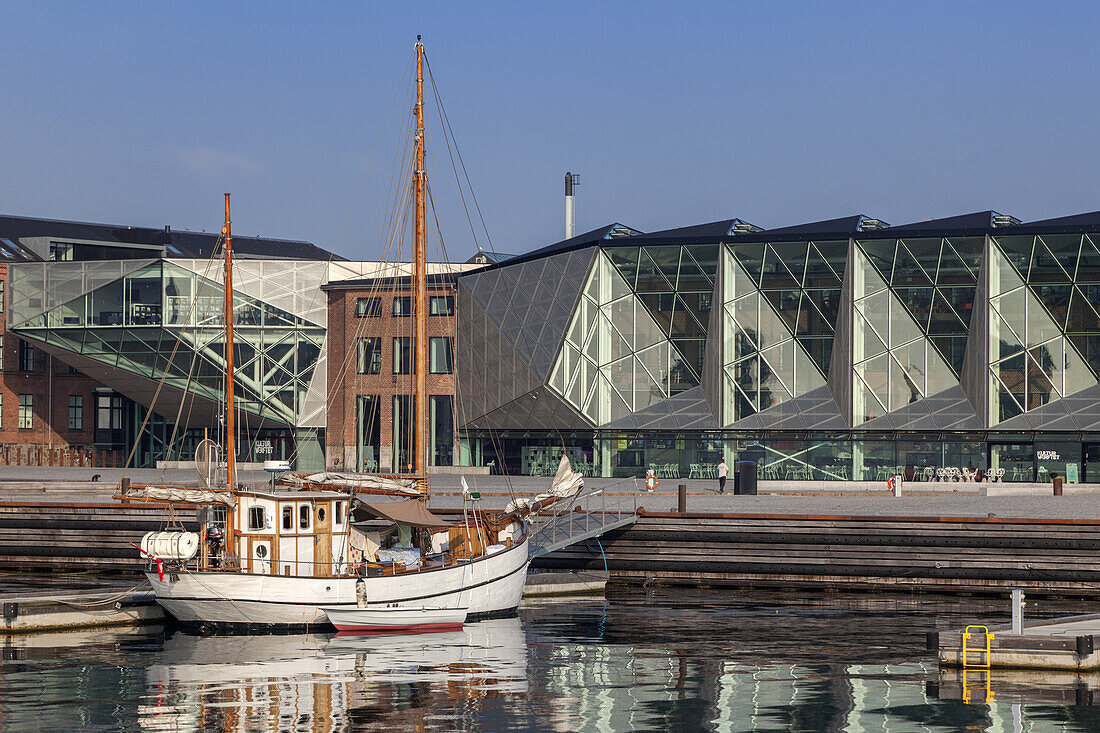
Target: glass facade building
[[842, 349]]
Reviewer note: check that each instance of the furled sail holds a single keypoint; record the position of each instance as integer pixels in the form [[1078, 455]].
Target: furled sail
[[566, 483], [332, 479], [177, 494]]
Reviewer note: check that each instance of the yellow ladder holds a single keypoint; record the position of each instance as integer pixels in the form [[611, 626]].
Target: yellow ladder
[[968, 650], [968, 689]]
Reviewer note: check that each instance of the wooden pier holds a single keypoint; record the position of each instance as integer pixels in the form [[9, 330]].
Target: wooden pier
[[1068, 644], [992, 555]]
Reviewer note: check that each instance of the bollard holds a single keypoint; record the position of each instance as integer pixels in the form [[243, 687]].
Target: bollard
[[1017, 612], [123, 488], [682, 498], [1057, 485]]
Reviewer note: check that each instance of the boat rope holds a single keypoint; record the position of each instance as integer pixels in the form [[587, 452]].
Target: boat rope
[[105, 601]]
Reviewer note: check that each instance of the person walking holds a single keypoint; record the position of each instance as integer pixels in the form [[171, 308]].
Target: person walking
[[723, 471]]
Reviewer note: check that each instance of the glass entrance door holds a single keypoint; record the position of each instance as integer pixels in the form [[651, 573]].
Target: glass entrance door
[[1017, 459], [1091, 454]]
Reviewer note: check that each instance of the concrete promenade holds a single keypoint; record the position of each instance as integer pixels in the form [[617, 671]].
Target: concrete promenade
[[1082, 501]]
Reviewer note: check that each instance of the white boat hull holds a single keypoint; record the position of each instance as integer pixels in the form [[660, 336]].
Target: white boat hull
[[489, 586], [394, 620]]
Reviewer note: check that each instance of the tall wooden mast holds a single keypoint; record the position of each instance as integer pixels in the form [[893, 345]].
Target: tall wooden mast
[[230, 411], [420, 311]]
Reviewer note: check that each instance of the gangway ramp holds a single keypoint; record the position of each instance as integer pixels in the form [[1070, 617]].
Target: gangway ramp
[[589, 515]]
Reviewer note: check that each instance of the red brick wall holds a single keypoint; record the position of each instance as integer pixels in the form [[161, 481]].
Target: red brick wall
[[50, 406], [344, 383]]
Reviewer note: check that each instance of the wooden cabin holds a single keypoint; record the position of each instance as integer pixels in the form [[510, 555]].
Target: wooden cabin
[[292, 533]]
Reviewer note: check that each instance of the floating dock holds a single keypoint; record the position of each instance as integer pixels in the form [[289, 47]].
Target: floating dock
[[1069, 644]]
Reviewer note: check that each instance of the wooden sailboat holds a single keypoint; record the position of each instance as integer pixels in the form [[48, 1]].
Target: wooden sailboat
[[278, 557]]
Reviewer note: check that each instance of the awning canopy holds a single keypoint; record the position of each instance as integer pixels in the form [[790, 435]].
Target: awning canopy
[[412, 513]]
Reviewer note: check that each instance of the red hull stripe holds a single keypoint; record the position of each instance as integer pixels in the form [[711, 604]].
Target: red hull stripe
[[349, 629]]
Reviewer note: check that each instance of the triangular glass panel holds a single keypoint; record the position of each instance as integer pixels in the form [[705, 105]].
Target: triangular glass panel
[[691, 276], [618, 344], [742, 284], [953, 270], [751, 257], [806, 375], [941, 371], [1077, 374], [1040, 389], [819, 274], [868, 279], [592, 286], [876, 311], [1082, 315], [961, 300], [1065, 248], [646, 390], [880, 254], [785, 303], [657, 268], [687, 362], [871, 344], [828, 303], [746, 314], [904, 388], [918, 301], [596, 396], [866, 406], [646, 330], [1007, 404], [793, 256], [1017, 250], [780, 361], [943, 320], [745, 404], [1055, 297], [810, 320], [1002, 340], [907, 271], [705, 257], [835, 253], [971, 250], [1045, 267], [772, 330], [618, 285], [1003, 275], [1040, 326], [925, 251], [776, 275], [660, 307], [625, 260], [1088, 265], [684, 322], [820, 351]]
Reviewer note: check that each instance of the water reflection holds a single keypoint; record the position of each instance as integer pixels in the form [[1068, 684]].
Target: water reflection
[[675, 662]]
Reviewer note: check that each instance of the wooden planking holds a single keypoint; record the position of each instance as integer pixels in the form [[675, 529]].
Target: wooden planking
[[963, 553]]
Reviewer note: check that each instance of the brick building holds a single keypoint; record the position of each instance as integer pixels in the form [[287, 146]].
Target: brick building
[[46, 406], [370, 369]]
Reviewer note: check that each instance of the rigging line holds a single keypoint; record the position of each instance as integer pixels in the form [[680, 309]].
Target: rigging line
[[447, 123], [194, 353], [458, 183], [156, 395]]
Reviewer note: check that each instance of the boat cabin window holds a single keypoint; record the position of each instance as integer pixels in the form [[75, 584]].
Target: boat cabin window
[[303, 516], [320, 514], [338, 516], [256, 517], [288, 517]]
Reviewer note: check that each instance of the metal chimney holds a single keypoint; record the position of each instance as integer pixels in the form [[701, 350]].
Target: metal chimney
[[571, 180]]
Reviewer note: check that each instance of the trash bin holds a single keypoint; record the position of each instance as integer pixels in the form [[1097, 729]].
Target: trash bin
[[1057, 484], [746, 478]]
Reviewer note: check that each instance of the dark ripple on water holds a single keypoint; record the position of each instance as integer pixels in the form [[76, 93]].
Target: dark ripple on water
[[672, 661]]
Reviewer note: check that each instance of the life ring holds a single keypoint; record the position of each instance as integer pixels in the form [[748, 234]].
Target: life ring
[[651, 482]]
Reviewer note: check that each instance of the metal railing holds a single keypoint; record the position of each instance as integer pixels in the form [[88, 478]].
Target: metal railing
[[590, 514]]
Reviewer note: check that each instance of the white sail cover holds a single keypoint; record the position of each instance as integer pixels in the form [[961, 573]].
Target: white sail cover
[[179, 494], [566, 483], [353, 481]]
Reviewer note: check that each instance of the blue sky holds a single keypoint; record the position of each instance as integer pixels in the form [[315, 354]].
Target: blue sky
[[673, 113]]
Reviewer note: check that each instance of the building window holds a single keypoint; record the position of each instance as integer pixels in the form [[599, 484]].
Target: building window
[[368, 418], [61, 251], [441, 423], [26, 356], [370, 355], [256, 517], [1, 346], [1, 296], [108, 420], [26, 411], [338, 516], [402, 306], [441, 355], [76, 412], [402, 355], [441, 305], [303, 516], [368, 308], [1, 411]]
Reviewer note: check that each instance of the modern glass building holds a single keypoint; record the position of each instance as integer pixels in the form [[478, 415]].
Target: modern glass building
[[842, 349]]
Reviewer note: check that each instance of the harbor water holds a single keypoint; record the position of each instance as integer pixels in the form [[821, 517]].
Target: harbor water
[[666, 660]]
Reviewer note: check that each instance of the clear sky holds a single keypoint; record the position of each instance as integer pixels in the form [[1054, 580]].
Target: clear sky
[[674, 113]]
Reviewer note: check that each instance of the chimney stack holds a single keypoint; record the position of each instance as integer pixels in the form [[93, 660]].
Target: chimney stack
[[571, 180]]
